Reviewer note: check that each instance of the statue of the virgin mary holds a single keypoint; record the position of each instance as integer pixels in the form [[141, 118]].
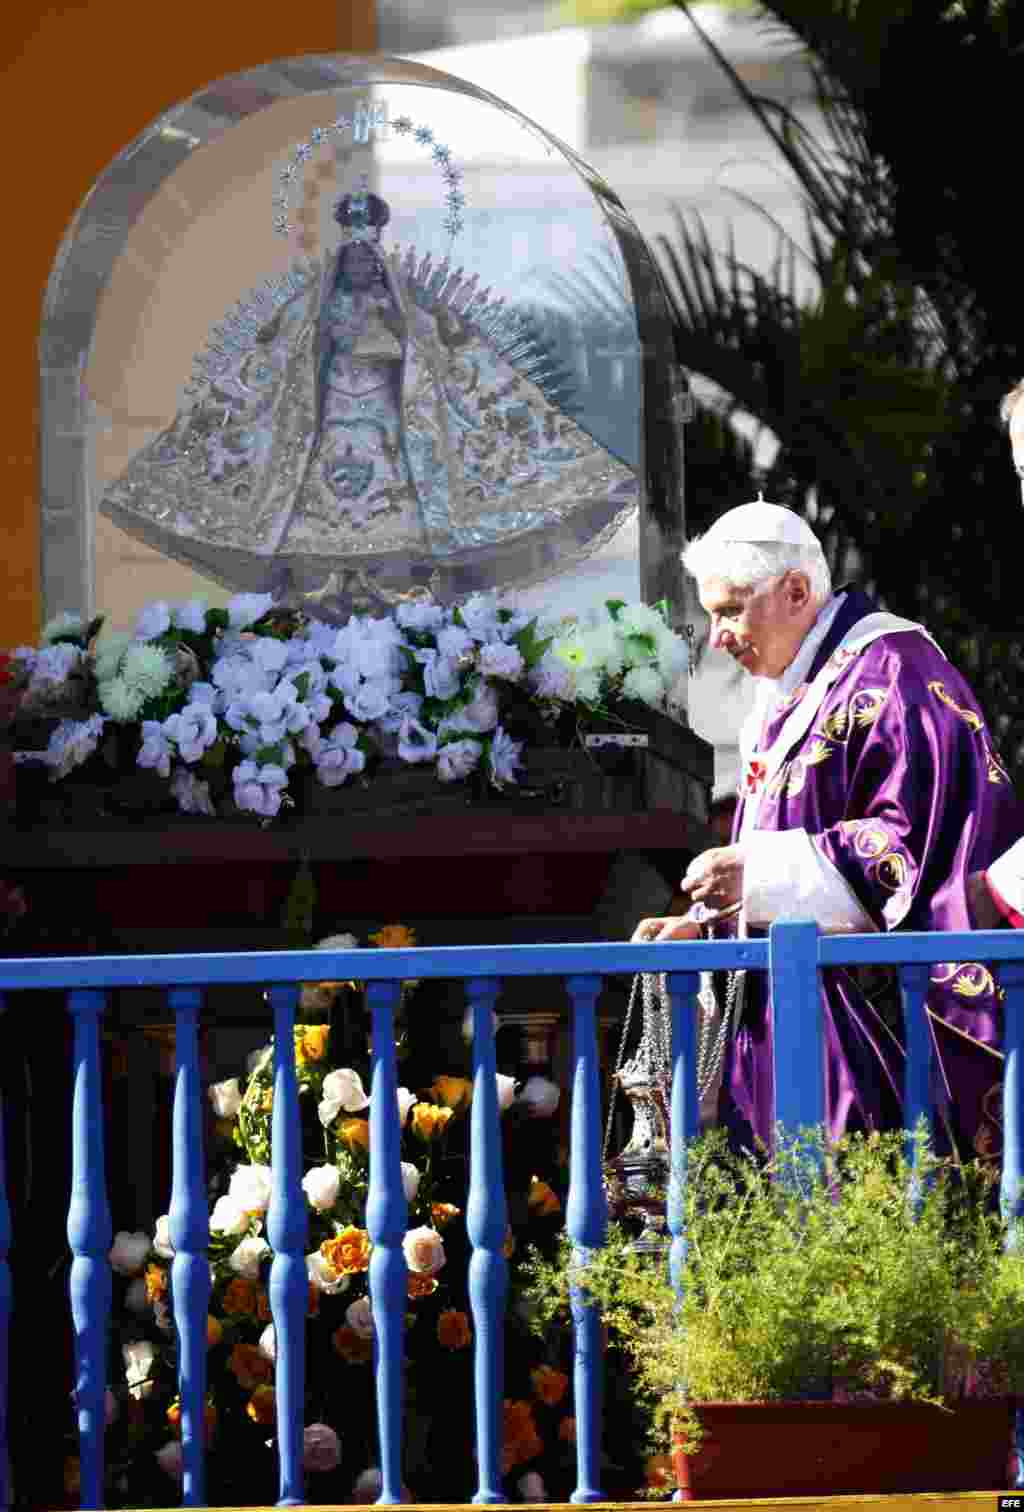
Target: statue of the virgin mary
[[369, 426]]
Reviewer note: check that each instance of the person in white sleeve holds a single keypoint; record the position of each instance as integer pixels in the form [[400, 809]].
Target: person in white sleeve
[[870, 791]]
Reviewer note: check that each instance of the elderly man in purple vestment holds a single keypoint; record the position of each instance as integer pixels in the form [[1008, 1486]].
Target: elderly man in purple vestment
[[870, 792]]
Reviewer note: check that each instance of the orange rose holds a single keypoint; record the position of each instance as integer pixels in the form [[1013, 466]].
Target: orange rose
[[239, 1296], [209, 1418], [349, 1253], [420, 1286], [453, 1330], [659, 1473], [263, 1306], [262, 1406], [394, 937], [455, 1092], [250, 1367], [522, 1442], [541, 1200], [313, 1309], [355, 1132], [214, 1332], [567, 1430], [443, 1213], [428, 1120], [156, 1283], [353, 1348], [508, 1249], [311, 1042], [549, 1384]]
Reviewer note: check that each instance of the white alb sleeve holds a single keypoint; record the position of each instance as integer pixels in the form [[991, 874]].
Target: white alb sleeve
[[1007, 876], [785, 875]]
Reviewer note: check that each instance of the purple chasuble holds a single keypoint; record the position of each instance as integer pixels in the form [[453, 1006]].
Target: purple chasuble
[[898, 785]]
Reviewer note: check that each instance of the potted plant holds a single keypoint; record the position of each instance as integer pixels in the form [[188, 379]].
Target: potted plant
[[849, 1319]]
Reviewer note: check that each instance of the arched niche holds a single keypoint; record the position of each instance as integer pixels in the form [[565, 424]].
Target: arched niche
[[181, 226]]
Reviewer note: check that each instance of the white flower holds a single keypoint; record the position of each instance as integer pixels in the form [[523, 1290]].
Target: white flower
[[420, 617], [457, 759], [246, 608], [424, 1251], [225, 1097], [250, 1187], [323, 1276], [247, 1258], [406, 1100], [138, 1359], [321, 1448], [193, 730], [540, 1097], [640, 619], [191, 616], [259, 788], [467, 1024], [500, 660], [129, 1252], [337, 942], [155, 751], [108, 654], [506, 1090], [531, 1487], [410, 1180], [588, 686], [504, 757], [64, 623], [193, 795], [322, 1185], [228, 1217], [119, 700], [267, 1343], [440, 674], [359, 1317], [135, 1298], [162, 1245], [369, 701], [170, 1459], [147, 669], [646, 684], [342, 1090], [416, 742], [154, 620]]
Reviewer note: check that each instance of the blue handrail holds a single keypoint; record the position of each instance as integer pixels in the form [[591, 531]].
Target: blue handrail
[[793, 956]]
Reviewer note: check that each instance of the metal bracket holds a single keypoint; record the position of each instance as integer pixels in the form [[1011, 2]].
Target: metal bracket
[[595, 742]]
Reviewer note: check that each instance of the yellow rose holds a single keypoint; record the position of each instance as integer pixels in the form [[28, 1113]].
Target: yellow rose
[[355, 1132], [394, 937], [443, 1213], [349, 1253], [262, 1406], [455, 1092], [541, 1200], [156, 1283], [428, 1120], [311, 1042]]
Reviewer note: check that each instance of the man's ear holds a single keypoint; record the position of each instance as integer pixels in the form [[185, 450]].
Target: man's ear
[[798, 589]]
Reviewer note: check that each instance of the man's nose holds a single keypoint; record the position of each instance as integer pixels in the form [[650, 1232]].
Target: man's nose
[[721, 637]]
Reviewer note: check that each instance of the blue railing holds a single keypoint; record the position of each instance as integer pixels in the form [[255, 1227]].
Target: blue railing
[[793, 955]]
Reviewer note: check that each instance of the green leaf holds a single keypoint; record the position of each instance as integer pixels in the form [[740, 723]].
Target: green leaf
[[531, 646], [615, 607], [269, 755], [217, 619], [302, 684]]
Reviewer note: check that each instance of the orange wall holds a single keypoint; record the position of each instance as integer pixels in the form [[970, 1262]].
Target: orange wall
[[79, 80]]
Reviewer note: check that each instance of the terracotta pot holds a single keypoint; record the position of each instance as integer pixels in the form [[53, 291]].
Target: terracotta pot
[[762, 1449]]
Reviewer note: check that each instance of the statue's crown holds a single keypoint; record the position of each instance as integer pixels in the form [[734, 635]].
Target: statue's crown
[[362, 215]]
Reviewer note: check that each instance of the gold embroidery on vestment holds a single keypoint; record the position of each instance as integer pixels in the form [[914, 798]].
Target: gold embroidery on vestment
[[973, 719]]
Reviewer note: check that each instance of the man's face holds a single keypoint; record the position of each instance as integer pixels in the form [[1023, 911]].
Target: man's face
[[1017, 441], [761, 627]]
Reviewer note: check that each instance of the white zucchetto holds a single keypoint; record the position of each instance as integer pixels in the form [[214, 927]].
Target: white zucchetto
[[760, 523]]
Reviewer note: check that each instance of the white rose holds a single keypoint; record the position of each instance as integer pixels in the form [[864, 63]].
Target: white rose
[[135, 1298], [162, 1245], [540, 1097], [342, 1090], [323, 1276], [322, 1185], [406, 1099], [228, 1217], [138, 1359], [321, 1448], [128, 1252], [267, 1344], [359, 1317], [250, 1188], [245, 1260], [410, 1180], [169, 1458], [531, 1487], [506, 1091], [225, 1097], [424, 1251]]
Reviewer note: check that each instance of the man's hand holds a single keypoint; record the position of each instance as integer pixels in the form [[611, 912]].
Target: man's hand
[[715, 877], [981, 905], [651, 930]]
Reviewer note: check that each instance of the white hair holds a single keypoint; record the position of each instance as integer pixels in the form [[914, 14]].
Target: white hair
[[1009, 402], [748, 564]]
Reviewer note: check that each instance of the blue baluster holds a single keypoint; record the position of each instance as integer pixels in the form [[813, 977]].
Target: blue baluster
[[6, 1306], [386, 1223], [1011, 979], [917, 1095], [487, 1225], [89, 1235], [798, 1030], [189, 1230], [586, 1219], [684, 1120], [287, 1228]]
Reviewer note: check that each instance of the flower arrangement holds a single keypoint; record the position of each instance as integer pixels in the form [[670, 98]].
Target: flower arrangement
[[231, 705], [143, 1447], [827, 1271]]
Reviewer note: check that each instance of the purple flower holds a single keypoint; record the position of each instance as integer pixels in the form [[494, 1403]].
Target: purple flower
[[457, 759], [500, 660], [259, 788], [415, 743], [504, 757], [440, 675]]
